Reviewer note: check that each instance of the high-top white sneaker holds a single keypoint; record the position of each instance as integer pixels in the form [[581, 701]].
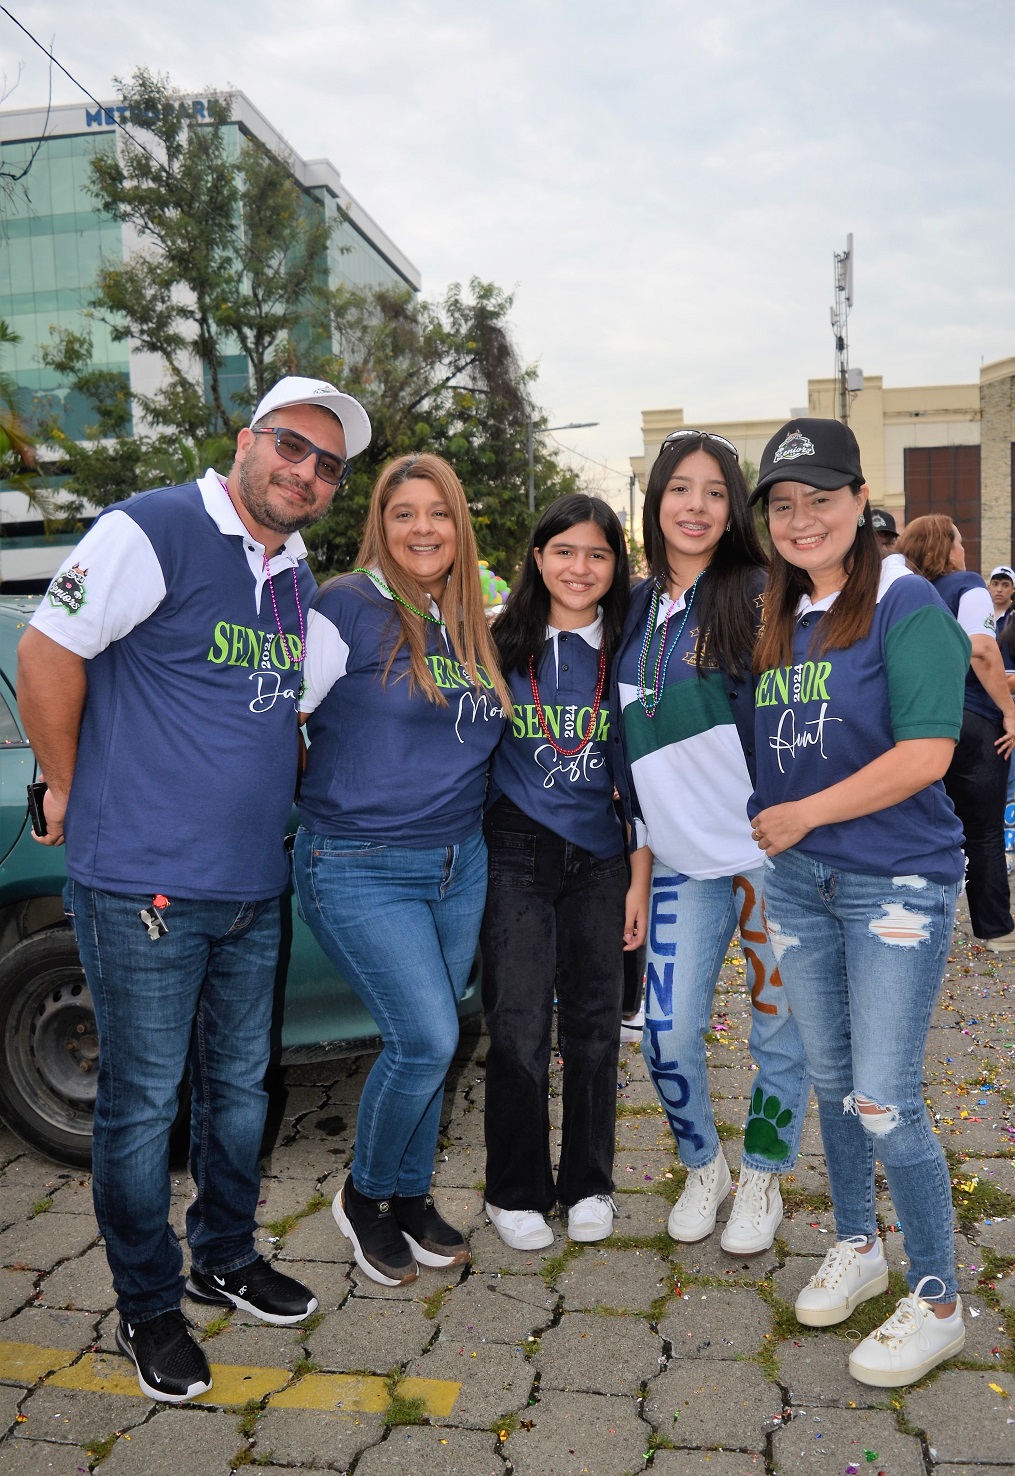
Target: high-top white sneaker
[[757, 1213], [693, 1215]]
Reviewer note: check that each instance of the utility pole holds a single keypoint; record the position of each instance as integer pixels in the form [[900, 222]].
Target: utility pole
[[533, 431], [843, 283]]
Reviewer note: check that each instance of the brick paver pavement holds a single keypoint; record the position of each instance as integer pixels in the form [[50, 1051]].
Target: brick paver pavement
[[633, 1355]]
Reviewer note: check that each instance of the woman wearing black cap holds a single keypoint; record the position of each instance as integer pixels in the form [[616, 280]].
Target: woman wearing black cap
[[682, 679], [860, 673]]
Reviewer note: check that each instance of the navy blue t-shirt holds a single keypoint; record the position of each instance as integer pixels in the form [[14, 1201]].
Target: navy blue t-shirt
[[573, 796], [385, 764], [186, 762], [826, 716], [951, 587]]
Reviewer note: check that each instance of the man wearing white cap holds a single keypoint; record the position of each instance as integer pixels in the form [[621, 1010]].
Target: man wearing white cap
[[1001, 584], [159, 683]]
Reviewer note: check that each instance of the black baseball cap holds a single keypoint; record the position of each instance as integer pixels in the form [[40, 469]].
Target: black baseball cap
[[883, 521], [819, 453]]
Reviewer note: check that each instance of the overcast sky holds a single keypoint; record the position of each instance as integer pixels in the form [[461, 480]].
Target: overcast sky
[[661, 183]]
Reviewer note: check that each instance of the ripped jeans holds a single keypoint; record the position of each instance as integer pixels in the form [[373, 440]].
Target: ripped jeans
[[861, 960]]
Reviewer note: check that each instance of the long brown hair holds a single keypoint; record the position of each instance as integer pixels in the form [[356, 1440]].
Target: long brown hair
[[462, 601], [725, 608], [928, 543], [850, 618]]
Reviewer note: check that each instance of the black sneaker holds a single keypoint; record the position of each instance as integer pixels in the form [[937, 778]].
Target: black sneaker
[[381, 1249], [256, 1288], [431, 1239], [170, 1365]]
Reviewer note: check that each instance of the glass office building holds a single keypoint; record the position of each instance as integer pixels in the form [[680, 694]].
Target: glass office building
[[52, 243]]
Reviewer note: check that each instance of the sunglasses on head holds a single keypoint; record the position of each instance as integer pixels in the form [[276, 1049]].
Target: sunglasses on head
[[680, 435], [294, 448]]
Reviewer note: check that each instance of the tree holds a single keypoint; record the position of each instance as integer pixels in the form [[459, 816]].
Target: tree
[[232, 257], [19, 467], [439, 376]]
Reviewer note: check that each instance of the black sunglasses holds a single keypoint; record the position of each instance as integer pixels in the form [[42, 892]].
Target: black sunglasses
[[679, 435], [293, 447]]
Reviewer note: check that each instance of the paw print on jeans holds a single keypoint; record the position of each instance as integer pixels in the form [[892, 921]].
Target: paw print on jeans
[[762, 1138]]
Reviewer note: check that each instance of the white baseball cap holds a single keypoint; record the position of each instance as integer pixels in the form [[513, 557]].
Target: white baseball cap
[[1005, 571], [295, 390]]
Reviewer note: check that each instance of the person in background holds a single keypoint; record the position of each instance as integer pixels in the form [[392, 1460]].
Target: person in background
[[683, 685], [886, 531], [862, 659], [554, 920], [977, 776], [405, 703], [1001, 584], [161, 675]]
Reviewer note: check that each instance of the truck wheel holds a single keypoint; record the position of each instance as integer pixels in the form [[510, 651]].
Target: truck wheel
[[49, 1047]]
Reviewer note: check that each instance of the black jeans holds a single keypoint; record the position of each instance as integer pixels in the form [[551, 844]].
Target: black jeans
[[554, 921], [976, 782]]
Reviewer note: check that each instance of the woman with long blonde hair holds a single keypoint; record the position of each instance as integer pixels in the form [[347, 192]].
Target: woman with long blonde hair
[[404, 706]]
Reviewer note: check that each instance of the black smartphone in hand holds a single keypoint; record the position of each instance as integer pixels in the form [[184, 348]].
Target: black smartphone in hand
[[35, 809]]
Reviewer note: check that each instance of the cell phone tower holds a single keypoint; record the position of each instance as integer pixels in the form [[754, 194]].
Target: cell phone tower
[[840, 326]]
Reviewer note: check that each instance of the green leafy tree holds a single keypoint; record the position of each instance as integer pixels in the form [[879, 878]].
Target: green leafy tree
[[230, 262], [440, 376], [19, 466]]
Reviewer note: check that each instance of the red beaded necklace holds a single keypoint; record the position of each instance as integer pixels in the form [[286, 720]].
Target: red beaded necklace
[[541, 715]]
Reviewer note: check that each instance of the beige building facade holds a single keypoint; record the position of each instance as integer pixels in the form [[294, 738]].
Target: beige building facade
[[946, 448]]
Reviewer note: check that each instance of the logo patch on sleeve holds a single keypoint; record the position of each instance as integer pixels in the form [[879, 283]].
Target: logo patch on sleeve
[[67, 590], [796, 444]]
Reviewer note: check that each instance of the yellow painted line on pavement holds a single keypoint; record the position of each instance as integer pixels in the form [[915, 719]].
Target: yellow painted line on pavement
[[232, 1383], [25, 1363], [359, 1393]]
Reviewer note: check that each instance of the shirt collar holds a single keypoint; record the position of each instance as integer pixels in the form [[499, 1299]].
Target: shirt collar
[[592, 634], [219, 507], [893, 567], [382, 589]]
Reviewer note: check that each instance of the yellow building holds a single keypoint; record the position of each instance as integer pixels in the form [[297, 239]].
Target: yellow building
[[947, 448]]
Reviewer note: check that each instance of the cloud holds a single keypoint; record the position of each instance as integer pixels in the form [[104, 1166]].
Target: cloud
[[662, 185]]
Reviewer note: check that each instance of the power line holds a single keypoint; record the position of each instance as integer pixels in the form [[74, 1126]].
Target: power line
[[591, 459], [118, 123], [48, 51]]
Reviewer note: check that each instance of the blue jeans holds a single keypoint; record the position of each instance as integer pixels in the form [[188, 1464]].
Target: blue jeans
[[402, 926], [862, 958], [201, 993], [691, 924]]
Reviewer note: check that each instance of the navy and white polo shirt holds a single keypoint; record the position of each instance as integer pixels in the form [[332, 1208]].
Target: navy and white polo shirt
[[387, 765], [573, 797], [968, 598], [824, 717], [186, 762]]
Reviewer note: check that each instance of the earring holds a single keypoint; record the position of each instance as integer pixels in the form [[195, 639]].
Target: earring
[[729, 525], [860, 521]]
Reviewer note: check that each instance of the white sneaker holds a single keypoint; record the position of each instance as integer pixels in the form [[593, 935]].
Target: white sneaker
[[757, 1212], [844, 1279], [522, 1230], [1004, 944], [591, 1219], [631, 1026], [693, 1215], [909, 1344]]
